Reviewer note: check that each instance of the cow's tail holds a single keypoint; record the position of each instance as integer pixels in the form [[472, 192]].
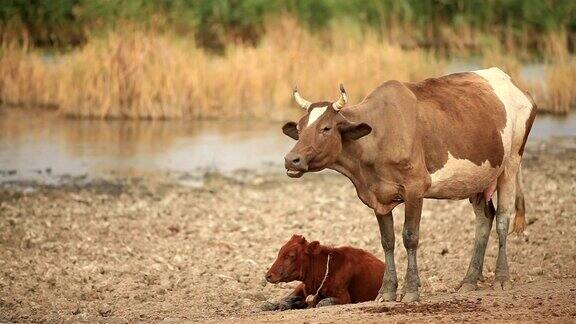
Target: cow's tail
[[520, 218]]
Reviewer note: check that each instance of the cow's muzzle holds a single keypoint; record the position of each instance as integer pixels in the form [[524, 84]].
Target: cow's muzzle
[[296, 165]]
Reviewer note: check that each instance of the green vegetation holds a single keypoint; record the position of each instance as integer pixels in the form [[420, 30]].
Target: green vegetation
[[443, 24]]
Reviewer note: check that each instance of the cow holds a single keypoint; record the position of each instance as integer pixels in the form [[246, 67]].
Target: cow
[[328, 275], [456, 136]]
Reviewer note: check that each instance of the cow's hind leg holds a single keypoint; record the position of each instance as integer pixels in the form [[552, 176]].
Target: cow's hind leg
[[506, 207], [390, 279], [484, 216]]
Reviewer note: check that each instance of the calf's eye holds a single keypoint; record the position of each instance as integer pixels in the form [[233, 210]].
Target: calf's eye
[[326, 129]]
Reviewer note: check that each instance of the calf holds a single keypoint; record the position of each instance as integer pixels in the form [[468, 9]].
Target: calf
[[329, 276]]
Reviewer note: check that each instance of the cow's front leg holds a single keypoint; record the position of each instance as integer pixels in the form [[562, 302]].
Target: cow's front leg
[[410, 236], [390, 279]]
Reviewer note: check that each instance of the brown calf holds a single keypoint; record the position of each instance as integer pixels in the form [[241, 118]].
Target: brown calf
[[329, 276]]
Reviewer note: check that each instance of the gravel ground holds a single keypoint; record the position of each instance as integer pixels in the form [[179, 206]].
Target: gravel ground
[[151, 248]]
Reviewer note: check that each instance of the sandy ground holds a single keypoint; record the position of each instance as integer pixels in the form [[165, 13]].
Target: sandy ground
[[148, 249]]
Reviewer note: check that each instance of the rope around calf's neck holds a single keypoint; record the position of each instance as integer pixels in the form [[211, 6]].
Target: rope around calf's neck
[[311, 298]]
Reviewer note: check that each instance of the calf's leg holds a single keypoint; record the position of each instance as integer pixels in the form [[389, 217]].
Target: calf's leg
[[326, 302], [410, 236], [484, 217], [390, 279], [296, 299], [292, 302], [341, 299]]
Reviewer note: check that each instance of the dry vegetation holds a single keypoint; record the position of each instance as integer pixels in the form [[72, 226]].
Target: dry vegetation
[[561, 94], [135, 74]]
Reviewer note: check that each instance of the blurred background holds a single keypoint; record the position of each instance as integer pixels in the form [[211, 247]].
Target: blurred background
[[133, 86]]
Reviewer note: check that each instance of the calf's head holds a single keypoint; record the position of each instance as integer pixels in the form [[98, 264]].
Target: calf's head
[[319, 134], [292, 260]]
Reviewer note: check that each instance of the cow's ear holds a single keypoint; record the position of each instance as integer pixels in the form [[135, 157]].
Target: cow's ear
[[355, 131], [313, 248], [291, 130]]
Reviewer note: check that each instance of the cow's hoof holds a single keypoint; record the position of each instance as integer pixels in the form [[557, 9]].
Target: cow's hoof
[[411, 297], [386, 297], [326, 302], [503, 284], [466, 287]]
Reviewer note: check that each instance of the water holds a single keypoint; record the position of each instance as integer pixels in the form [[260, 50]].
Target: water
[[42, 146], [550, 126]]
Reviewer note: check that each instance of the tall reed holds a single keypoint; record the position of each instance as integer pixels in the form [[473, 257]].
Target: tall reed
[[136, 74], [143, 75], [561, 94], [27, 79]]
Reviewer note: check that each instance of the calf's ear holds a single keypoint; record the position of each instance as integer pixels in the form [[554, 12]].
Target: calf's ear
[[299, 238], [290, 129], [355, 131], [313, 248]]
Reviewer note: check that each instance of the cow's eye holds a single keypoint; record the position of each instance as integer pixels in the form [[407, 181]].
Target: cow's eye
[[326, 129]]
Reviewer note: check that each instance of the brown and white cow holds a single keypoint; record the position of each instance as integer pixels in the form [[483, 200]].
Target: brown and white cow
[[453, 137], [329, 275]]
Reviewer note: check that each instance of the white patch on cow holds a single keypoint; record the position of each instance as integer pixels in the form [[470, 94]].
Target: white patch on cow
[[517, 105], [315, 114], [458, 178]]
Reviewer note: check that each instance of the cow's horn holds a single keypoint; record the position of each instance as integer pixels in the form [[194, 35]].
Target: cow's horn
[[301, 101], [343, 98]]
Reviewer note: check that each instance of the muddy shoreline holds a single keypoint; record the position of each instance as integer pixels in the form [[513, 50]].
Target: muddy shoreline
[[151, 248]]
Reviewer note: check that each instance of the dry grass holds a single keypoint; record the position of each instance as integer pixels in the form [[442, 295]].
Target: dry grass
[[561, 94], [26, 79], [132, 74], [143, 75]]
